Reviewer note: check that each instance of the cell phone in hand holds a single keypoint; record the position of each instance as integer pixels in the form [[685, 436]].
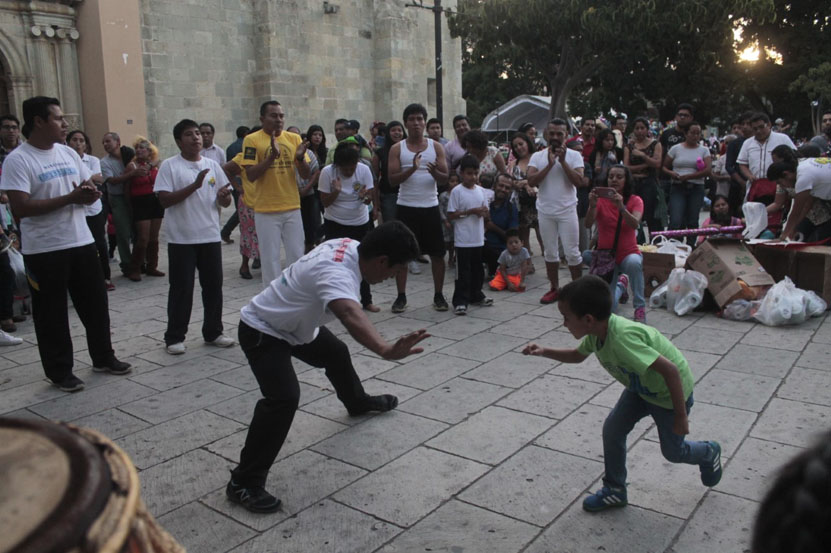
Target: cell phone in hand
[[605, 192]]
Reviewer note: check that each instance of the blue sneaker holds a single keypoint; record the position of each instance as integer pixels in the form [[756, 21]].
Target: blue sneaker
[[605, 498], [711, 467]]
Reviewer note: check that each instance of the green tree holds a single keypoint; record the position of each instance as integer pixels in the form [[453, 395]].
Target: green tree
[[635, 50]]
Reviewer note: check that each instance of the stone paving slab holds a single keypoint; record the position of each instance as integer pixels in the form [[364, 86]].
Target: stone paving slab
[[489, 450]]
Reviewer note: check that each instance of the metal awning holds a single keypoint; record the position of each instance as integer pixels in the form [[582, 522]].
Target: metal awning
[[513, 113]]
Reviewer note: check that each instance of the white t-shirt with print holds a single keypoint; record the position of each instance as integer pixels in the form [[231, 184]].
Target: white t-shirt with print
[[348, 208], [295, 304], [814, 174], [196, 219], [468, 230], [557, 195], [94, 166], [45, 174]]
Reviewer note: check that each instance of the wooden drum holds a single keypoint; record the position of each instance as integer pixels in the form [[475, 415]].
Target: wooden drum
[[65, 489]]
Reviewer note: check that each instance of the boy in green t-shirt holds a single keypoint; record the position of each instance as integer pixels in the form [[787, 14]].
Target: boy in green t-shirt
[[657, 378]]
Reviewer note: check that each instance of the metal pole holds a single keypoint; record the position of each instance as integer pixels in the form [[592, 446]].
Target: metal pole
[[439, 96]]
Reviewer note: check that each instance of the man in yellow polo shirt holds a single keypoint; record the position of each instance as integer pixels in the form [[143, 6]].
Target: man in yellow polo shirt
[[269, 157]]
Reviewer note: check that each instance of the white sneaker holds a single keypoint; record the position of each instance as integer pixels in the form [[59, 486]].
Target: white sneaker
[[415, 268], [176, 349], [9, 340], [222, 341]]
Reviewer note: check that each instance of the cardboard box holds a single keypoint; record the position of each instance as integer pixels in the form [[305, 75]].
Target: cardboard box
[[813, 270], [724, 262], [656, 270], [809, 267]]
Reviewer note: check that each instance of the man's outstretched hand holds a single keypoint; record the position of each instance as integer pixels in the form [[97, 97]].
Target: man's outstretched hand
[[404, 345]]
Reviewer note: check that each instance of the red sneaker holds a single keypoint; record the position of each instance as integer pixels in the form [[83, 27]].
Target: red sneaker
[[550, 297]]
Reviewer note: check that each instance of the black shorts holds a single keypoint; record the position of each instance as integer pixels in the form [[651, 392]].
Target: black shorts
[[146, 207], [425, 222]]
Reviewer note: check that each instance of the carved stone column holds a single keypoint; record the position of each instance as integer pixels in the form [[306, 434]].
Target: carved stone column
[[44, 61], [69, 84]]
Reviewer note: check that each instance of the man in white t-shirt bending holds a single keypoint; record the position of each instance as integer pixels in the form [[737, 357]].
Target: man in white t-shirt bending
[[193, 189], [285, 320], [557, 171], [48, 186], [414, 165]]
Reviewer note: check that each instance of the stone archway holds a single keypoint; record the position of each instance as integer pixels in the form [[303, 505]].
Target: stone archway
[[16, 81]]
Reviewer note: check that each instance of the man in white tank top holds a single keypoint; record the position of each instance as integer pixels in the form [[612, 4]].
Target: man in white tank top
[[415, 164]]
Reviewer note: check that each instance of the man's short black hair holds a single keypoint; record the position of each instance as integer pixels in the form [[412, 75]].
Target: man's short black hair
[[746, 116], [393, 239], [37, 106], [808, 150], [414, 109], [587, 118], [341, 122], [468, 162], [264, 106], [617, 118], [460, 117], [433, 121], [558, 121], [777, 170], [213, 130], [688, 107], [588, 295], [183, 125], [9, 117], [760, 116], [346, 154], [241, 131]]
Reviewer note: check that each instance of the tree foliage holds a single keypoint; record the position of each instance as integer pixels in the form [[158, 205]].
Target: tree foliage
[[620, 52]]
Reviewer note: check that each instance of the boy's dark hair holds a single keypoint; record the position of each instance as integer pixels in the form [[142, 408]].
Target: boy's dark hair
[[213, 130], [9, 117], [345, 154], [795, 512], [183, 125], [393, 239], [413, 109], [264, 106], [468, 162], [688, 107], [510, 233], [588, 295], [242, 130], [433, 121]]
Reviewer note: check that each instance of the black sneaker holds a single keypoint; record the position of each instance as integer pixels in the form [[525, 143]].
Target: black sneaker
[[254, 499], [113, 366], [439, 303], [711, 467], [70, 384], [382, 403], [256, 264], [400, 304]]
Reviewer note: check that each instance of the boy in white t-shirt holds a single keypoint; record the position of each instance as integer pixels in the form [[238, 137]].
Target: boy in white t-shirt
[[467, 209], [48, 188], [193, 189]]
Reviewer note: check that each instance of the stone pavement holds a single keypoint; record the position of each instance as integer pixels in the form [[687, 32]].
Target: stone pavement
[[488, 451]]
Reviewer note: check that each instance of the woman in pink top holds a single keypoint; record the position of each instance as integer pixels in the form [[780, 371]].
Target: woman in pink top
[[628, 260]]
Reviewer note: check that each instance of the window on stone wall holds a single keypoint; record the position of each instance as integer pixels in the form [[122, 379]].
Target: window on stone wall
[[431, 92]]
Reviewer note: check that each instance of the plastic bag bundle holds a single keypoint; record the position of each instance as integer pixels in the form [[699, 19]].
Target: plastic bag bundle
[[785, 304], [682, 292], [680, 250], [740, 310]]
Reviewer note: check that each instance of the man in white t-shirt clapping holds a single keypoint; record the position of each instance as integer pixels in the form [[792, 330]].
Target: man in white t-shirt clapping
[[48, 188], [286, 320], [754, 156], [193, 189], [557, 171]]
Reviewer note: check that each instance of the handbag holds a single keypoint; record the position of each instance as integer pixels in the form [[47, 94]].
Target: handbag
[[603, 261]]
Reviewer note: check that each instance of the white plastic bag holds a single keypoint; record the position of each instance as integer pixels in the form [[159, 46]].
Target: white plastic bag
[[680, 250], [21, 282], [785, 304], [685, 290], [756, 219], [740, 310], [659, 296]]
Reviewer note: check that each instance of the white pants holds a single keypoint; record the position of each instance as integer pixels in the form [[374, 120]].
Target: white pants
[[285, 227], [566, 228]]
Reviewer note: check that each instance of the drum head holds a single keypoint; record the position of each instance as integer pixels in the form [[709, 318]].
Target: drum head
[[53, 484]]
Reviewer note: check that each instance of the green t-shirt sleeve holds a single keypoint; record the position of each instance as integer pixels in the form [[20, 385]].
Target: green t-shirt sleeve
[[633, 353], [587, 346]]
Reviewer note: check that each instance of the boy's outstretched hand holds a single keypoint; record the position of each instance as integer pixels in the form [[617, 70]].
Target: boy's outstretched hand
[[533, 349]]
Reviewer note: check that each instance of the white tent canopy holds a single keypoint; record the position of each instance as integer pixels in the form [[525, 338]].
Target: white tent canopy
[[513, 113]]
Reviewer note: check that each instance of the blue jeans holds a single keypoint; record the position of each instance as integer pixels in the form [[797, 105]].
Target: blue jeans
[[632, 265], [631, 408], [685, 202]]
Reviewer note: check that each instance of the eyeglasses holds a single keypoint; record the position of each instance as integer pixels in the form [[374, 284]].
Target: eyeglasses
[[683, 114], [9, 127]]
